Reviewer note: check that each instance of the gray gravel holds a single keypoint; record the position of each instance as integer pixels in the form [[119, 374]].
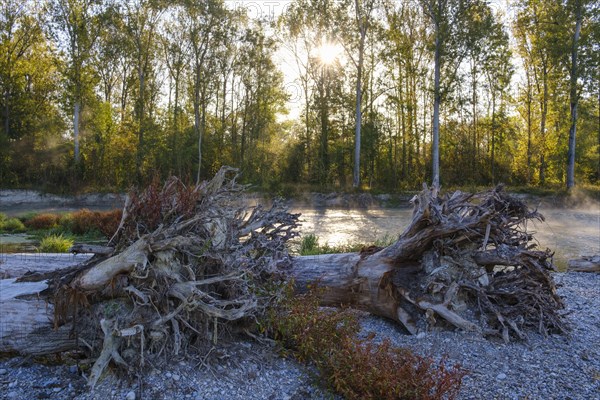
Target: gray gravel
[[542, 368], [556, 367]]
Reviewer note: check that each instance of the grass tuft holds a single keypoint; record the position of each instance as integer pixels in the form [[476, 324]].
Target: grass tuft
[[55, 244]]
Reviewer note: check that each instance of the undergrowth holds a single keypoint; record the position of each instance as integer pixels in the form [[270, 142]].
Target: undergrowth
[[310, 246], [12, 225], [357, 368], [55, 244], [85, 221], [43, 221]]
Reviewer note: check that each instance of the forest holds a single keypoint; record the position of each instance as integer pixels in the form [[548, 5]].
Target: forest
[[370, 94]]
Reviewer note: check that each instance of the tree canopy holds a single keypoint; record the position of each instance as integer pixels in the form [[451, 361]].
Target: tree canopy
[[104, 94]]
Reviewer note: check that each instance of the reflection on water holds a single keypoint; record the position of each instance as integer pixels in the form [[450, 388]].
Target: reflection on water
[[570, 233], [339, 227]]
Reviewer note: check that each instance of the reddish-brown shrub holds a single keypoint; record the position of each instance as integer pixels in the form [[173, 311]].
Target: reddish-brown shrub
[[85, 220], [108, 222], [158, 204], [359, 368], [42, 221], [82, 221]]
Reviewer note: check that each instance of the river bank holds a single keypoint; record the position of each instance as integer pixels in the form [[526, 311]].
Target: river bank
[[555, 367]]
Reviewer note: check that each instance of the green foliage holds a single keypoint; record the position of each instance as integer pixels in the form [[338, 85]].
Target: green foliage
[[309, 245], [227, 104], [12, 225], [357, 368], [55, 244]]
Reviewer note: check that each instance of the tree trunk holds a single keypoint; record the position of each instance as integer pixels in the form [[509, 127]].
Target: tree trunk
[[197, 130], [574, 99], [585, 264], [76, 130], [358, 116], [435, 151]]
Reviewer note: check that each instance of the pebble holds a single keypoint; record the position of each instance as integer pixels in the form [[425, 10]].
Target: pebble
[[541, 368]]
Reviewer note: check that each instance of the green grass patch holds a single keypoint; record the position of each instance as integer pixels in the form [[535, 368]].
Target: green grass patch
[[56, 244], [310, 246], [12, 225]]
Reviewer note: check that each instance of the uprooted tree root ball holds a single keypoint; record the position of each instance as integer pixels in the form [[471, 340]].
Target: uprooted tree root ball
[[465, 261], [189, 263]]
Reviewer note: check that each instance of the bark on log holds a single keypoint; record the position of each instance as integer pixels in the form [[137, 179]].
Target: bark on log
[[92, 249], [585, 264], [26, 321]]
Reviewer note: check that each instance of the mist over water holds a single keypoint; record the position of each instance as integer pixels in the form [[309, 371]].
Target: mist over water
[[569, 232]]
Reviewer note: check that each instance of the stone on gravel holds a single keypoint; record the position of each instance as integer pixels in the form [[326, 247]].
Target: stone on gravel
[[554, 367]]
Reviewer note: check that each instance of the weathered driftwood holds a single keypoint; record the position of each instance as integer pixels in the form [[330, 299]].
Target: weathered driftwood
[[91, 249], [18, 264], [189, 261], [462, 255], [585, 264], [26, 321]]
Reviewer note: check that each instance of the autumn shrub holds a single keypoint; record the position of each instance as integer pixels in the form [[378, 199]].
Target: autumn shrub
[[84, 221], [358, 368], [55, 244], [107, 222], [160, 204], [43, 221], [12, 225]]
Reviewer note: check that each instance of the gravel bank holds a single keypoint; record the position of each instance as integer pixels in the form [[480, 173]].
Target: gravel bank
[[552, 368]]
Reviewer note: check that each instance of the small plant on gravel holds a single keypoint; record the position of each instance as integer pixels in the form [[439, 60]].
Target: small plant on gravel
[[12, 225], [358, 368], [43, 221], [55, 244]]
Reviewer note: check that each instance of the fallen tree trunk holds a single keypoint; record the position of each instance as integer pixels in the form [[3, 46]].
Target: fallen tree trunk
[[26, 321], [188, 260], [585, 264]]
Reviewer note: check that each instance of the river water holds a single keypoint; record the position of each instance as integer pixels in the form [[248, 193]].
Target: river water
[[570, 233]]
